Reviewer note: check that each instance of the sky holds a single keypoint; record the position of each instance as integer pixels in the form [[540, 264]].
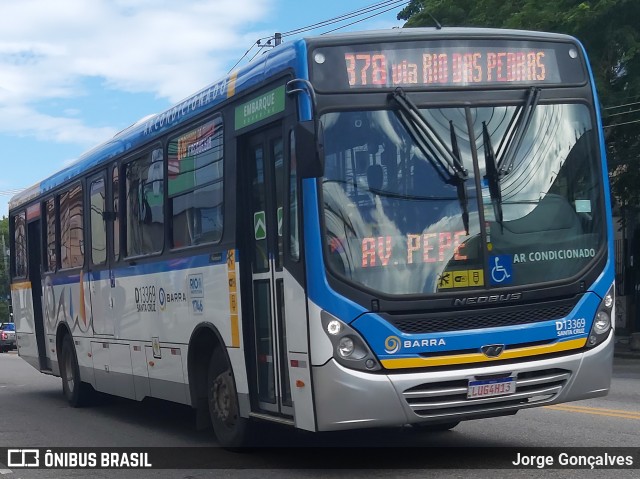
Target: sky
[[75, 72]]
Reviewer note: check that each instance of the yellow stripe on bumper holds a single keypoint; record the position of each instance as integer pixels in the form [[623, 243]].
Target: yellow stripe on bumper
[[405, 363]]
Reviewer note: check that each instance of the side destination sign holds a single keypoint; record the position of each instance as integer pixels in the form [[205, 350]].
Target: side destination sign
[[266, 105]]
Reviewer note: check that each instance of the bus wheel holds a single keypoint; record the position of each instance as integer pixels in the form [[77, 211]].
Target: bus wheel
[[75, 391], [229, 427]]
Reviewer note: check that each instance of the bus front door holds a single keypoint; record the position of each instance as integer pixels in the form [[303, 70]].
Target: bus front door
[[262, 229]]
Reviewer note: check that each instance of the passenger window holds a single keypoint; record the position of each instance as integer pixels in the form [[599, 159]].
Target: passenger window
[[71, 228], [145, 205], [20, 244], [115, 186], [195, 180], [98, 225], [51, 260]]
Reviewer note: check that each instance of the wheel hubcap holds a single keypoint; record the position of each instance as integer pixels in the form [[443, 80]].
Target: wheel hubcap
[[222, 398]]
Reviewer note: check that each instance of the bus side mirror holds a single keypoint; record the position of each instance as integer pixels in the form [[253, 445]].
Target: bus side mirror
[[309, 150]]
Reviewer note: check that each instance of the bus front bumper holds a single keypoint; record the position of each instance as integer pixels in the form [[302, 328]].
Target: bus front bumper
[[349, 399]]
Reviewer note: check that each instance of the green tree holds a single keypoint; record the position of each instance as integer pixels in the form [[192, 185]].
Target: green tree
[[610, 32]]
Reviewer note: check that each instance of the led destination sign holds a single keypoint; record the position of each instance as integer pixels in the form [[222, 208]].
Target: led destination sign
[[446, 64], [450, 66]]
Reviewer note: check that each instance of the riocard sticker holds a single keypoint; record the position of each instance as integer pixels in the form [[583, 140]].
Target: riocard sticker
[[259, 226], [264, 106]]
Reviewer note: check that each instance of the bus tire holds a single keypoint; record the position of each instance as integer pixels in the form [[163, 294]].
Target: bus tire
[[75, 391], [229, 427]]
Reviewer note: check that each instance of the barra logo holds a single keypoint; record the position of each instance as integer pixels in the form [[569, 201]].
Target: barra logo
[[424, 343], [392, 345], [167, 299]]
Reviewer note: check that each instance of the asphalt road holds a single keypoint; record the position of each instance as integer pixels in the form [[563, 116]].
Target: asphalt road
[[33, 413]]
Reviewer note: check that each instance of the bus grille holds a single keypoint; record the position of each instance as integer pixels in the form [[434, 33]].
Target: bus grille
[[460, 321], [448, 398]]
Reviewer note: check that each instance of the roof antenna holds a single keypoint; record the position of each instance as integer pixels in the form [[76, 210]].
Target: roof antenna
[[438, 26]]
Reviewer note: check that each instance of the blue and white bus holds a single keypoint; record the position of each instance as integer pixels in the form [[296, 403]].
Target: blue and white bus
[[363, 230]]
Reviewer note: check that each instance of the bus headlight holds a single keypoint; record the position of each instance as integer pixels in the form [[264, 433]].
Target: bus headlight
[[602, 320], [346, 346], [602, 323], [349, 349], [334, 327]]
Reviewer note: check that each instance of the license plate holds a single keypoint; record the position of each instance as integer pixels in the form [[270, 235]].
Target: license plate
[[491, 387]]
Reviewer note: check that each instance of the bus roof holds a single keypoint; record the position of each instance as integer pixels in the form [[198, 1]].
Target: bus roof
[[287, 55], [407, 34]]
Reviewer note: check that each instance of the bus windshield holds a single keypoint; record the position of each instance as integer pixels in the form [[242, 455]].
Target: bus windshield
[[398, 220]]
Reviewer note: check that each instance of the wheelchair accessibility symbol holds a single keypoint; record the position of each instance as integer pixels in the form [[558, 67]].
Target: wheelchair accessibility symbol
[[501, 269]]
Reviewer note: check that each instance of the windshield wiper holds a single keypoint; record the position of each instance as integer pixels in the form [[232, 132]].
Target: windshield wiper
[[493, 174], [514, 141], [446, 161], [497, 169], [460, 183], [428, 140]]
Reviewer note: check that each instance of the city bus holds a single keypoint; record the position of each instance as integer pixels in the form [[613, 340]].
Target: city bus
[[393, 228]]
